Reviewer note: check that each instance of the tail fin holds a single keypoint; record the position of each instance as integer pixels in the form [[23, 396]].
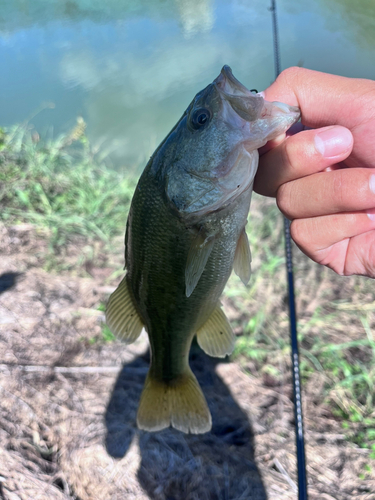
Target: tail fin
[[179, 403]]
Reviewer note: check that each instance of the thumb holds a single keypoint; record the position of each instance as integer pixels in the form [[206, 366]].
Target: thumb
[[324, 99]]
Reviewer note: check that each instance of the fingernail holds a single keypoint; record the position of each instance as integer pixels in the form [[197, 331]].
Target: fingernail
[[372, 183], [371, 214], [333, 141]]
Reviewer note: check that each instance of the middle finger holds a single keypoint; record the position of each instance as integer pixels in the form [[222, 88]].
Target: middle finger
[[324, 193]]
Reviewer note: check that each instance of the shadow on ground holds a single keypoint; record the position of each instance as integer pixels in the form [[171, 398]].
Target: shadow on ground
[[175, 466], [8, 280]]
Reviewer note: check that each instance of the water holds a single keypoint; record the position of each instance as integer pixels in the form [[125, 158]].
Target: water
[[131, 68]]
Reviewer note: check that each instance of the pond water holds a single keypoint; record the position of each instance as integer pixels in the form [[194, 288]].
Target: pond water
[[131, 68]]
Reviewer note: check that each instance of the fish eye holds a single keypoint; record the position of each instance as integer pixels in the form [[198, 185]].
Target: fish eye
[[200, 118]]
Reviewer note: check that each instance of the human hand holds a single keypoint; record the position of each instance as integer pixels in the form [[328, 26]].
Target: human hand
[[324, 178]]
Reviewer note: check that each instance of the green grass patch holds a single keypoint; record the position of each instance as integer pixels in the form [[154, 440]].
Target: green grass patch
[[336, 321], [59, 185]]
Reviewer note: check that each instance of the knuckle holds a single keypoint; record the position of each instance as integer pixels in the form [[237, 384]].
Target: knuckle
[[367, 99], [289, 160], [284, 199], [351, 219], [299, 233], [339, 189], [290, 75], [345, 187], [368, 261]]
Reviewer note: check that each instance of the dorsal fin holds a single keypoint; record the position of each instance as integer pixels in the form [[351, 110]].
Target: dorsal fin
[[121, 315], [216, 336], [242, 258]]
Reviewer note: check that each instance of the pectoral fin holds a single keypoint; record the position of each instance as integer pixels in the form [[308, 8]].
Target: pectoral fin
[[199, 252], [216, 336], [242, 258], [121, 316]]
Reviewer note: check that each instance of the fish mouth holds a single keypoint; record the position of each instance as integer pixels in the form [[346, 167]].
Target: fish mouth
[[246, 105], [253, 121], [251, 106], [227, 83]]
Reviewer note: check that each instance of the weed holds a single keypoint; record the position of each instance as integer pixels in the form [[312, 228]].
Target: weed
[[59, 185], [107, 334], [336, 341]]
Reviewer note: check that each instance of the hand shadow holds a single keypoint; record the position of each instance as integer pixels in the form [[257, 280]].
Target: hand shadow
[[176, 466]]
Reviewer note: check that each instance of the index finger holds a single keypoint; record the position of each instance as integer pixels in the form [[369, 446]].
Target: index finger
[[326, 99]]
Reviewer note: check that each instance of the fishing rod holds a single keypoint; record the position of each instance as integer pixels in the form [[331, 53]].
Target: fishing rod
[[300, 439]]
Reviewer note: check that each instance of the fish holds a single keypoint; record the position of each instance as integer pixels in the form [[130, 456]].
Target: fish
[[185, 233]]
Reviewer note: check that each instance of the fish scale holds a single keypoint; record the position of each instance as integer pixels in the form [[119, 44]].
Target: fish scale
[[185, 233], [168, 314]]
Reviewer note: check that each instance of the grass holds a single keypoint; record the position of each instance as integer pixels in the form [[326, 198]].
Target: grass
[[336, 323], [59, 186]]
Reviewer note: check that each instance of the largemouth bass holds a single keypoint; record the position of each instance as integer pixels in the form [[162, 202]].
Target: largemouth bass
[[185, 233]]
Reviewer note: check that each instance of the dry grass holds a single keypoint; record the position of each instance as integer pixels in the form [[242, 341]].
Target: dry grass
[[69, 434], [69, 393]]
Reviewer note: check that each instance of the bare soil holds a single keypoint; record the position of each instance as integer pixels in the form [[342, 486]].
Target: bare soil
[[69, 400]]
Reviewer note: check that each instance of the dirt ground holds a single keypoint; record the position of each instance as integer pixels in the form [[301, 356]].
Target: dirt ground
[[69, 400]]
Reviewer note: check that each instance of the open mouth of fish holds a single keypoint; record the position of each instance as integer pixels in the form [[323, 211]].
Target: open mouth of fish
[[246, 107], [244, 122], [258, 120]]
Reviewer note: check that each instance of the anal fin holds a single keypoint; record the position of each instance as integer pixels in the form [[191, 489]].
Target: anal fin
[[242, 258], [179, 403], [121, 316], [216, 336]]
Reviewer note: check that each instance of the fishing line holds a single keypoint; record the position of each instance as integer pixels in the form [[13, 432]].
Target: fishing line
[[300, 440]]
